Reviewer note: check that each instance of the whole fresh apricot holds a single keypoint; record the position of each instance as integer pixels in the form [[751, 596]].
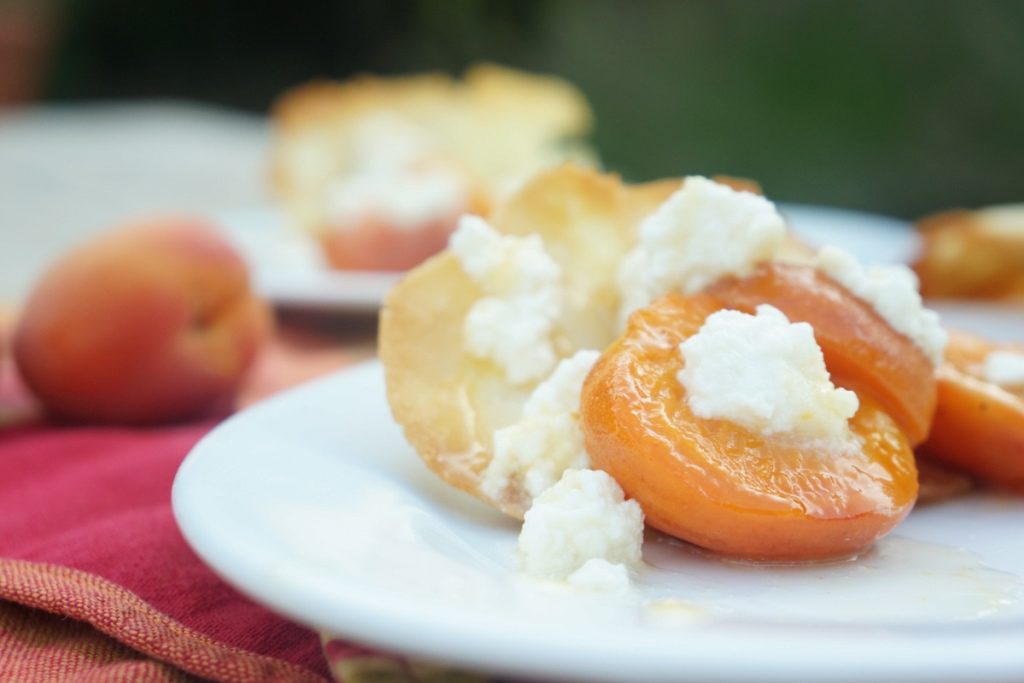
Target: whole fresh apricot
[[151, 322]]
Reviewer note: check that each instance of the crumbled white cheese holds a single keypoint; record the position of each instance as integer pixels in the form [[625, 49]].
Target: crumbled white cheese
[[1005, 368], [405, 200], [766, 374], [394, 174], [600, 575], [702, 232], [534, 452], [893, 292], [522, 284], [583, 517], [384, 141]]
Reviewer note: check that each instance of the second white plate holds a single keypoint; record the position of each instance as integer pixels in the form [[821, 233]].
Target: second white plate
[[289, 270]]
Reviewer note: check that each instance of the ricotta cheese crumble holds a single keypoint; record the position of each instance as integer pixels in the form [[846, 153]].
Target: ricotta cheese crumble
[[405, 200], [702, 232], [893, 292], [766, 374], [536, 451], [1004, 368], [583, 518], [394, 174], [600, 575], [522, 286]]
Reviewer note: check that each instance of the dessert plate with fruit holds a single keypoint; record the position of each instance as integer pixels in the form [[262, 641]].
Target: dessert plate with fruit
[[289, 270], [372, 174], [641, 432]]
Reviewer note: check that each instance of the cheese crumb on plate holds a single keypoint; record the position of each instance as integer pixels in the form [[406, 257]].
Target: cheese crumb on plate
[[584, 517]]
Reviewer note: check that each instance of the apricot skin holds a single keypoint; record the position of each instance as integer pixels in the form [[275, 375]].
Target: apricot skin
[[716, 485], [152, 322], [978, 426], [375, 244]]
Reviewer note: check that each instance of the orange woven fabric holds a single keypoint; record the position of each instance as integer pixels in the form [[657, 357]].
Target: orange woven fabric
[[121, 614], [38, 647]]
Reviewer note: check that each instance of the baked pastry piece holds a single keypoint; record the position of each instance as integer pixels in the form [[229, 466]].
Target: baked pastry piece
[[449, 401], [750, 395], [973, 254], [379, 169]]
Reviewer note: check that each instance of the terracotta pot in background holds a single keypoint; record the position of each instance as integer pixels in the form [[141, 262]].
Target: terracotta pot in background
[[26, 36]]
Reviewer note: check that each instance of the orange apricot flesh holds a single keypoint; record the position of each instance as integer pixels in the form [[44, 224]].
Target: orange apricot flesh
[[720, 486], [978, 426], [373, 244], [862, 351]]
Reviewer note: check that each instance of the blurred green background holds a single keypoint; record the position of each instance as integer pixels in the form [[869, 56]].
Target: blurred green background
[[897, 107]]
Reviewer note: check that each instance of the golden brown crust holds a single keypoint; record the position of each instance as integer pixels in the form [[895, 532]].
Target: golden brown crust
[[324, 101], [424, 363], [549, 103], [739, 184], [497, 125], [973, 254], [322, 114]]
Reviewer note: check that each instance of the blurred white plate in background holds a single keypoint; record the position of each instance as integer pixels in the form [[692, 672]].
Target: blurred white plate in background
[[289, 270], [313, 504], [999, 322], [870, 237]]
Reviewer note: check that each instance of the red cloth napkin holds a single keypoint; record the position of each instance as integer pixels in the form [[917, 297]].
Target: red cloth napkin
[[86, 532]]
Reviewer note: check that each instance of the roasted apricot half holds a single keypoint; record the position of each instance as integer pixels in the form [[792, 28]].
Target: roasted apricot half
[[720, 486], [862, 351], [374, 245], [978, 426]]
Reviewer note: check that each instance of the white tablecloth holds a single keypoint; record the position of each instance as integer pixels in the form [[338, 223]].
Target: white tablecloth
[[67, 172]]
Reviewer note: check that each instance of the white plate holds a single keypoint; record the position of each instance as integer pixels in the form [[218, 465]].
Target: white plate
[[289, 270], [313, 504], [869, 237]]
